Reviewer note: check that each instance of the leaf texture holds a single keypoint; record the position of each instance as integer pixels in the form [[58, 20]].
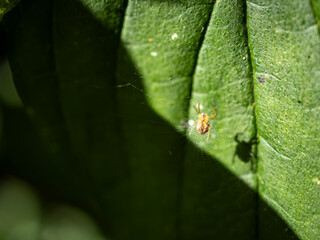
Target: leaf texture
[[286, 54]]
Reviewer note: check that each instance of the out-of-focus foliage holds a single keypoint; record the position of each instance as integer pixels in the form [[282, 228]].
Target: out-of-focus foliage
[[8, 93], [24, 217]]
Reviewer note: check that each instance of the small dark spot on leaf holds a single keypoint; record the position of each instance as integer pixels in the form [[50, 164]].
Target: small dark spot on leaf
[[261, 80], [299, 101], [308, 56]]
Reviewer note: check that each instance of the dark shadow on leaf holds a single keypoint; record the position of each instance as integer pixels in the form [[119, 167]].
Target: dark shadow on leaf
[[145, 180], [2, 44], [244, 150]]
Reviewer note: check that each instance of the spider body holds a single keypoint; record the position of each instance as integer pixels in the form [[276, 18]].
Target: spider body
[[203, 123]]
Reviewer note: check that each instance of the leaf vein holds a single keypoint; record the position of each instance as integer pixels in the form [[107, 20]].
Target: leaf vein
[[274, 150], [274, 202]]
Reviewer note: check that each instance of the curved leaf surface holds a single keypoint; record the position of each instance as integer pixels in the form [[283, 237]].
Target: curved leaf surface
[[286, 54]]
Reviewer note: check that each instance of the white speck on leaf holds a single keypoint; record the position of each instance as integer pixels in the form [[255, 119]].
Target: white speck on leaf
[[191, 122], [154, 54], [174, 36], [316, 180], [267, 76]]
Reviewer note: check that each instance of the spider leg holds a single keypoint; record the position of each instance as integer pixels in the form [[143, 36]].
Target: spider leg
[[196, 109], [213, 114], [209, 132], [194, 125], [253, 140]]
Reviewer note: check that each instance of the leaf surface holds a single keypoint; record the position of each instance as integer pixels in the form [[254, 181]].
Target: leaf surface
[[286, 54]]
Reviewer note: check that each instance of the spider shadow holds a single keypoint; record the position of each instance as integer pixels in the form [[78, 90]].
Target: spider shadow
[[164, 192], [244, 150]]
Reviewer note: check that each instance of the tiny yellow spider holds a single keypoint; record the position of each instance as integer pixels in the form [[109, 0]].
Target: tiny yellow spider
[[203, 124]]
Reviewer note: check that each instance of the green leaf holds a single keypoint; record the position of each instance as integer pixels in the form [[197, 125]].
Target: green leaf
[[8, 93], [222, 78], [315, 4], [109, 89], [286, 54], [6, 6]]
